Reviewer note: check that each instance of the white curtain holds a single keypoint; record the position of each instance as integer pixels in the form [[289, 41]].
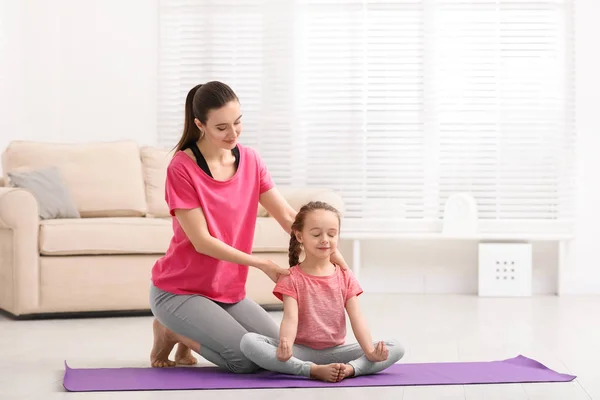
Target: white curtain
[[394, 104]]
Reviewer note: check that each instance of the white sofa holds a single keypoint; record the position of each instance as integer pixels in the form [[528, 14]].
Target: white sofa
[[101, 259]]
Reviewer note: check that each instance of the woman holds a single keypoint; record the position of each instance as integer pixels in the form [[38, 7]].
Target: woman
[[213, 188]]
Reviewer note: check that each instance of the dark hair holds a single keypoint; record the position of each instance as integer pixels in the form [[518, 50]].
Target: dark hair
[[298, 225], [200, 100]]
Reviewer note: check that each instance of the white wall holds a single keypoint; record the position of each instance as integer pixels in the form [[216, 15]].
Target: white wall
[[76, 70], [86, 70], [585, 275]]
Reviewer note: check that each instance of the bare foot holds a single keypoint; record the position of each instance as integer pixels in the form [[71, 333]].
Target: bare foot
[[164, 342], [347, 371], [184, 356], [327, 373]]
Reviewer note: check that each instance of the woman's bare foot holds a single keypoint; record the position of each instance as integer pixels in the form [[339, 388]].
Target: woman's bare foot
[[184, 356], [164, 341], [327, 373]]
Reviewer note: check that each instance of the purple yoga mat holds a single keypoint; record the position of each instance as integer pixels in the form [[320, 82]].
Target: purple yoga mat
[[514, 370]]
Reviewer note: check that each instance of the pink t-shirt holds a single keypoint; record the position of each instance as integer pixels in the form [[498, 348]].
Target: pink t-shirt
[[321, 305], [230, 208]]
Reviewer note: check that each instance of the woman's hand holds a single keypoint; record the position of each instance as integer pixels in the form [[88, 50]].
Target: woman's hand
[[379, 353], [273, 270], [337, 258], [284, 350]]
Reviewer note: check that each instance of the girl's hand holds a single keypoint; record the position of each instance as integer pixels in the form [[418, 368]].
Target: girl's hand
[[273, 270], [337, 258], [379, 353], [284, 350]]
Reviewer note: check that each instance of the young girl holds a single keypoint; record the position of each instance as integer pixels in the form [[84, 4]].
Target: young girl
[[315, 295]]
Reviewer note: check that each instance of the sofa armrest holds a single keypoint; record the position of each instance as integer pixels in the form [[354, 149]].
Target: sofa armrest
[[19, 251], [298, 196]]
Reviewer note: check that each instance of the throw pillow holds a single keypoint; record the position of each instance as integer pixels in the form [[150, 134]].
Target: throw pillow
[[50, 190]]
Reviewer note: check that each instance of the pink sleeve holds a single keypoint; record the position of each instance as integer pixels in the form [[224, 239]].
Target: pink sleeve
[[179, 191], [352, 286], [266, 182], [285, 286]]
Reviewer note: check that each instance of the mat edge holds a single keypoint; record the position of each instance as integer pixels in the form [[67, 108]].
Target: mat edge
[[64, 382], [539, 364]]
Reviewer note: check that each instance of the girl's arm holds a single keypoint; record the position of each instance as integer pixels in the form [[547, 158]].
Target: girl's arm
[[363, 336], [289, 323], [359, 326], [288, 329]]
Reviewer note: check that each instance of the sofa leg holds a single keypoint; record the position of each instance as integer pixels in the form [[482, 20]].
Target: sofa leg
[[272, 307]]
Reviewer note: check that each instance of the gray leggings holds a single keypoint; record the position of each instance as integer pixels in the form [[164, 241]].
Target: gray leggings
[[218, 327], [263, 351]]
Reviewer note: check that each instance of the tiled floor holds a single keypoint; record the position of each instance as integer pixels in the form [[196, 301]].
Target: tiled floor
[[562, 333]]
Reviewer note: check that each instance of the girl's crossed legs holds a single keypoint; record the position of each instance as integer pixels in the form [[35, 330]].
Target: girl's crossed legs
[[262, 350]]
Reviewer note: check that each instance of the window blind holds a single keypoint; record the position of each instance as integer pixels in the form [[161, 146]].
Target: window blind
[[246, 44], [501, 98], [394, 104]]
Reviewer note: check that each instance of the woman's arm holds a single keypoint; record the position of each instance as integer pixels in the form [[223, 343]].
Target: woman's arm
[[194, 225], [337, 258], [278, 208]]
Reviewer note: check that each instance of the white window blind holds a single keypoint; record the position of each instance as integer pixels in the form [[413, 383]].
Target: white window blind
[[394, 104], [246, 44], [501, 99]]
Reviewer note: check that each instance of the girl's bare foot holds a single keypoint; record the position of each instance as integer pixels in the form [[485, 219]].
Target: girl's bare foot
[[184, 356], [327, 373], [164, 341], [347, 371]]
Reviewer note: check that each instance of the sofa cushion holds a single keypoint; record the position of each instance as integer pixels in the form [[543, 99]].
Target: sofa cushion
[[105, 236], [154, 163], [134, 236], [50, 191], [105, 178], [269, 236]]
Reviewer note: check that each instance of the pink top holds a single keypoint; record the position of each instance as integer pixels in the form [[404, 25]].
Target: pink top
[[321, 305], [230, 208]]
